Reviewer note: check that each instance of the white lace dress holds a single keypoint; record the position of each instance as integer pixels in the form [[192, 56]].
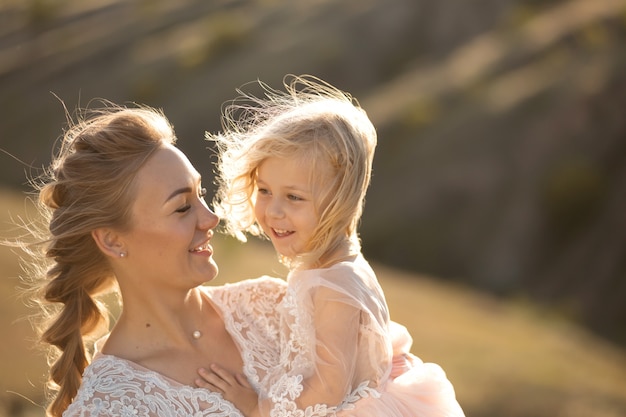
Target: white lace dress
[[113, 386], [302, 364], [336, 353]]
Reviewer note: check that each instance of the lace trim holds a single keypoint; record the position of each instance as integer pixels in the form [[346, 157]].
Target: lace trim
[[289, 388], [112, 387]]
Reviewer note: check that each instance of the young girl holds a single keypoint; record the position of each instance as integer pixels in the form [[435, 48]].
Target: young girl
[[295, 167]]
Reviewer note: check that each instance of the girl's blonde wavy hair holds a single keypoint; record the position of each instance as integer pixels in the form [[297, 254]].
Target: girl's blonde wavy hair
[[88, 185], [310, 120]]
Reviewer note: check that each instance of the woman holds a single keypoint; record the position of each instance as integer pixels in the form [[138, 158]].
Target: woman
[[125, 209]]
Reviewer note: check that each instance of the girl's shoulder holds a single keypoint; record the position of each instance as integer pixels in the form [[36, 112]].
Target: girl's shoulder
[[353, 279], [345, 272]]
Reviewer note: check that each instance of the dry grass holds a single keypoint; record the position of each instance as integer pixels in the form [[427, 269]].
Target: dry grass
[[505, 358]]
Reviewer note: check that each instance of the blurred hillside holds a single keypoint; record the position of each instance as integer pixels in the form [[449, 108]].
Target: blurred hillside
[[502, 152]]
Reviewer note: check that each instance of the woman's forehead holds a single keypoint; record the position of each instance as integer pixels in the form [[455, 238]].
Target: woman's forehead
[[166, 170]]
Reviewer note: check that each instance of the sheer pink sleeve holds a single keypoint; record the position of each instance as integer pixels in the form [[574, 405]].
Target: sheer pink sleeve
[[336, 325], [334, 346], [401, 342]]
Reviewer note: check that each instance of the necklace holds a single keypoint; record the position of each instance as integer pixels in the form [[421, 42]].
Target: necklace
[[196, 334]]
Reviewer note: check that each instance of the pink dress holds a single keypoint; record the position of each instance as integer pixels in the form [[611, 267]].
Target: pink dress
[[335, 352]]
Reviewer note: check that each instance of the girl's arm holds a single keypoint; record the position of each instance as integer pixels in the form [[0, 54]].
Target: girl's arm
[[234, 388], [336, 329]]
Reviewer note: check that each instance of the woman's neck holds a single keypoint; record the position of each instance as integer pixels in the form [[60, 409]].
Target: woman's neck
[[158, 321], [158, 334]]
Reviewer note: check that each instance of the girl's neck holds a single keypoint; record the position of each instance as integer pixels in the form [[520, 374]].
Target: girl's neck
[[344, 252]]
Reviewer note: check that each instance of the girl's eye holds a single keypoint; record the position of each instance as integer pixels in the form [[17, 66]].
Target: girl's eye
[[294, 197], [263, 191]]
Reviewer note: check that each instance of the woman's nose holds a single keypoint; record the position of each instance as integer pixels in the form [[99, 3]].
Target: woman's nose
[[207, 219]]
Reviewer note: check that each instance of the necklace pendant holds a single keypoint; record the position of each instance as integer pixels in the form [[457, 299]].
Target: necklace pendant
[[196, 334]]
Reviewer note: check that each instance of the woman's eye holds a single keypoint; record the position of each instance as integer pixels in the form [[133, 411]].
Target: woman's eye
[[184, 208], [263, 191]]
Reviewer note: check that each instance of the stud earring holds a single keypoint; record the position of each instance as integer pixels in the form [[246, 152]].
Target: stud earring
[[122, 254]]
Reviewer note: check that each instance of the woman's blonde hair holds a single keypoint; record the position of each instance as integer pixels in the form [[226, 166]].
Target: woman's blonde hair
[[88, 185], [312, 120]]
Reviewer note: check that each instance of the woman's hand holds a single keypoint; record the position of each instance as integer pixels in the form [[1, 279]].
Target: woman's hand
[[233, 387]]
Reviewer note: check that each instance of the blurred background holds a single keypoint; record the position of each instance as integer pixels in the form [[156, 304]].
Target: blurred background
[[496, 212]]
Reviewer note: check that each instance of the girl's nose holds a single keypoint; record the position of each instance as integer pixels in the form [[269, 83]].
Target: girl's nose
[[275, 209]]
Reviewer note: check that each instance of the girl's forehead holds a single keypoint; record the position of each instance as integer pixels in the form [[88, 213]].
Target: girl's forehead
[[306, 161]]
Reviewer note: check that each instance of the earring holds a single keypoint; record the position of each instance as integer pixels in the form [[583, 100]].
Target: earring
[[122, 254]]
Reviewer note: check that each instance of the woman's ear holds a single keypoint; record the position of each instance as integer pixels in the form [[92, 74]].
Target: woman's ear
[[109, 242]]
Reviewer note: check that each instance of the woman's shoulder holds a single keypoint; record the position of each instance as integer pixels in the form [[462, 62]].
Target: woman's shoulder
[[264, 284], [111, 386], [121, 371], [255, 294]]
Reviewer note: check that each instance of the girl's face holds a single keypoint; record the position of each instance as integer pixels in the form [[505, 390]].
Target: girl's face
[[285, 206], [171, 223]]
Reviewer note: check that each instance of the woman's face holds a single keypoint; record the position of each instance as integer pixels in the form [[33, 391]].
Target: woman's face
[[171, 225]]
